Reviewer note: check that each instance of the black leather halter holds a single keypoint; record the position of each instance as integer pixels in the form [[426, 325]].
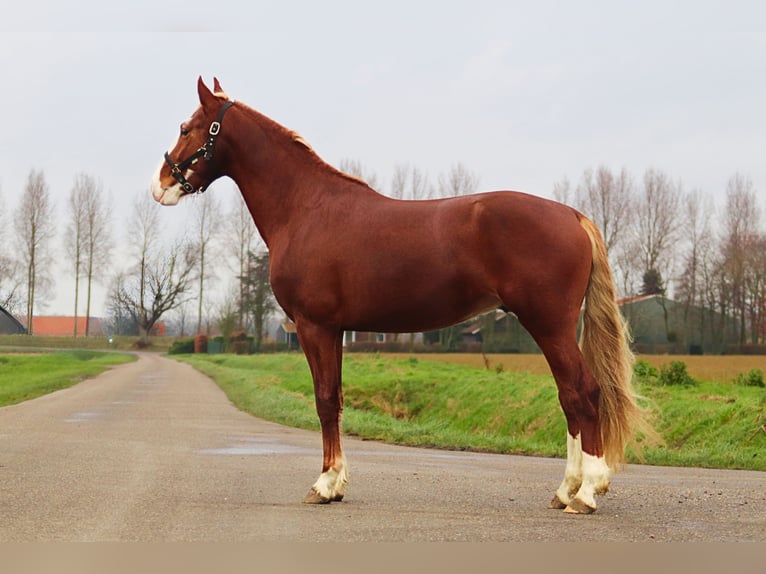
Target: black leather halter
[[206, 152]]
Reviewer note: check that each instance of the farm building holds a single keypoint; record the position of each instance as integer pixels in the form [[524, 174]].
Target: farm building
[[287, 334], [657, 325], [661, 325], [498, 332], [359, 340], [9, 325], [62, 326]]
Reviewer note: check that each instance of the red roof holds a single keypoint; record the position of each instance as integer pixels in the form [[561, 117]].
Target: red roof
[[64, 326], [636, 298]]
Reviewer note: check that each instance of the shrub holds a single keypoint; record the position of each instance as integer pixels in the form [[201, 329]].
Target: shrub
[[753, 379], [181, 347], [644, 372], [675, 374]]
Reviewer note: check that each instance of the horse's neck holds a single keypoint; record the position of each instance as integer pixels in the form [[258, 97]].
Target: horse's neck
[[280, 187]]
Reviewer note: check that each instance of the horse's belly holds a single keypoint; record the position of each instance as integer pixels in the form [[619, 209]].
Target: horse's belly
[[413, 312]]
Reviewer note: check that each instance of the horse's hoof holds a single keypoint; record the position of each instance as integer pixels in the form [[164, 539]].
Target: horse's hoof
[[313, 497], [556, 503], [577, 506], [337, 498]]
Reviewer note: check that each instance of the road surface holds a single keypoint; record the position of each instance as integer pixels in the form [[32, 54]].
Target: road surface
[[154, 451]]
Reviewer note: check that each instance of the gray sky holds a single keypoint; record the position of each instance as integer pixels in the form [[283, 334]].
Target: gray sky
[[522, 93]]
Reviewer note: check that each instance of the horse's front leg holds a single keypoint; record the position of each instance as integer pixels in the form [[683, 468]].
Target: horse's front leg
[[323, 350]]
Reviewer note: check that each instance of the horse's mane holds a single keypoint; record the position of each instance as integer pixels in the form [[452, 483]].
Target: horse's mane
[[296, 138]]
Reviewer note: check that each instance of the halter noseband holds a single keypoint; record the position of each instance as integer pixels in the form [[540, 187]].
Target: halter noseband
[[206, 152]]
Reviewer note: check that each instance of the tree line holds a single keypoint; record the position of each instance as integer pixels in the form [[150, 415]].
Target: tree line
[[666, 240], [661, 238]]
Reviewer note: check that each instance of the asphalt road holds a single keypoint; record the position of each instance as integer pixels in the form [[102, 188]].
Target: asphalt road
[[153, 451]]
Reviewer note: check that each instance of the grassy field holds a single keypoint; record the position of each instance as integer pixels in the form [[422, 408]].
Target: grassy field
[[121, 343], [427, 401], [24, 376], [701, 367]]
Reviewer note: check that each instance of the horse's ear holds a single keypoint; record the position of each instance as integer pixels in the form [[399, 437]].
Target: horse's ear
[[206, 97], [217, 86]]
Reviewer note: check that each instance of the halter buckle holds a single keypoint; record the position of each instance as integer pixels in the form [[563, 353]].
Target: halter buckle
[[206, 151]]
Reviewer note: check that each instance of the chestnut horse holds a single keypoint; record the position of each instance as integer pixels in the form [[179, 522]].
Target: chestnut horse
[[344, 257]]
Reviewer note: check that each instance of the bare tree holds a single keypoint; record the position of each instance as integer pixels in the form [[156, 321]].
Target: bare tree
[[182, 317], [143, 234], [8, 269], [740, 237], [656, 224], [8, 282], [227, 321], [243, 234], [607, 199], [562, 191], [756, 288], [208, 224], [355, 168], [698, 245], [259, 299], [74, 236], [97, 238], [34, 227], [399, 181], [161, 286], [459, 180], [409, 182], [655, 229], [626, 262]]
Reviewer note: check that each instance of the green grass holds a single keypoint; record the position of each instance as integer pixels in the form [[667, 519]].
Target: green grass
[[29, 375], [430, 403], [714, 424], [96, 342]]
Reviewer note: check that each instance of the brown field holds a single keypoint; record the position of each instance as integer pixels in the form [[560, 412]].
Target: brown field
[[722, 368]]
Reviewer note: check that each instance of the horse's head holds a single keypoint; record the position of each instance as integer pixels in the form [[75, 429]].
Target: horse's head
[[189, 167]]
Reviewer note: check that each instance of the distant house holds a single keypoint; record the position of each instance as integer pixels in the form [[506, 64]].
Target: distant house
[[662, 325], [287, 334], [364, 338], [498, 332], [61, 326], [657, 325], [159, 329], [9, 325]]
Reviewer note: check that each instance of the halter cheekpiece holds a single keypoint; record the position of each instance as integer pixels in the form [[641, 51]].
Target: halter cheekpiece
[[205, 151]]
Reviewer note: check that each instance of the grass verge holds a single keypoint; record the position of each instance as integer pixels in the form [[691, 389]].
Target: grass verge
[[95, 342], [436, 404], [24, 376]]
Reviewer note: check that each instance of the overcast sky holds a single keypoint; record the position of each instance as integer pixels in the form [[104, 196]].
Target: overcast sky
[[522, 93]]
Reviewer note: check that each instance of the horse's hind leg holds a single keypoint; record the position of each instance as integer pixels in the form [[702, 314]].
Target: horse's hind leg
[[323, 350], [586, 473], [572, 474]]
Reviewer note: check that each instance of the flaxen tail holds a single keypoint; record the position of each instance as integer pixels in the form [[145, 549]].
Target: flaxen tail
[[605, 346]]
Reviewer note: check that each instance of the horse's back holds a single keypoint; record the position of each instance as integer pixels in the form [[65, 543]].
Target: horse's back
[[508, 228], [534, 249]]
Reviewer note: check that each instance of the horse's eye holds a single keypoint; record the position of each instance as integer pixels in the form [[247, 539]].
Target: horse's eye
[[184, 131]]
